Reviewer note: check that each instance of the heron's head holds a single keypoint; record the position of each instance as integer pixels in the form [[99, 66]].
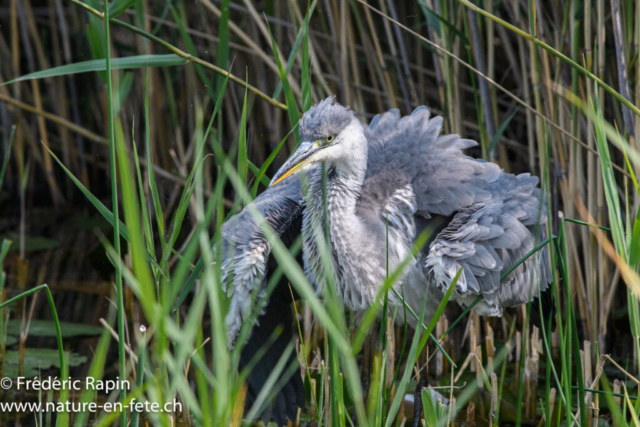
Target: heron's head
[[328, 132]]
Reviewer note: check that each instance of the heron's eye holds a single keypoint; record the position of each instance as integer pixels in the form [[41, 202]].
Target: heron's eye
[[330, 138]]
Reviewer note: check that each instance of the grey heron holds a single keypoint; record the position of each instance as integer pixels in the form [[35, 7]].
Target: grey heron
[[398, 171]]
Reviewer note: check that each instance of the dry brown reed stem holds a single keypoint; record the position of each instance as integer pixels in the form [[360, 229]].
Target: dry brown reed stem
[[477, 361], [491, 58], [315, 63], [358, 103], [601, 212], [616, 390], [552, 400], [623, 79], [56, 195], [471, 414], [587, 240], [381, 64], [591, 273], [344, 50], [497, 85], [630, 277], [390, 362], [115, 336], [72, 99], [540, 132], [330, 9], [518, 355], [490, 347], [406, 80], [494, 398], [480, 379], [56, 119], [527, 91], [439, 332], [437, 61], [631, 377], [591, 383], [394, 58], [446, 92], [466, 362], [587, 368], [265, 33], [28, 24], [478, 54]]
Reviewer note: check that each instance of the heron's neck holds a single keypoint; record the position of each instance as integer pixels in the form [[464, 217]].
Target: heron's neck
[[345, 174], [347, 233]]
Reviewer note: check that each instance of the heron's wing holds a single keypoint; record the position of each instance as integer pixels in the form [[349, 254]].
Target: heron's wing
[[247, 265], [247, 250], [409, 151], [487, 239], [491, 216]]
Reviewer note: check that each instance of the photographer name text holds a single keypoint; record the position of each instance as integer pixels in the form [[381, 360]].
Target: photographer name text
[[54, 383]]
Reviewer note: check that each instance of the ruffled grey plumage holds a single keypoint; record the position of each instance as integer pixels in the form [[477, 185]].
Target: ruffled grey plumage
[[398, 171]]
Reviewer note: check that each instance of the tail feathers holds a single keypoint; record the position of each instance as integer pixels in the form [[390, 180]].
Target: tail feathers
[[291, 395], [548, 305]]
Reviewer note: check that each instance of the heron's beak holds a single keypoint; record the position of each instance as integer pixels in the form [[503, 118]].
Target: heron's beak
[[303, 156]]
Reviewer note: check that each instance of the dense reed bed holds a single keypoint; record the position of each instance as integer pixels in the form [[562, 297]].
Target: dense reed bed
[[195, 105]]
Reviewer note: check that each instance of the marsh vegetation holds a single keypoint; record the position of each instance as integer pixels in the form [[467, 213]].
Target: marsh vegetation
[[131, 131]]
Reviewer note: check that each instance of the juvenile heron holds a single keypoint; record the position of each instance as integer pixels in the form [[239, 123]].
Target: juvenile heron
[[400, 172]]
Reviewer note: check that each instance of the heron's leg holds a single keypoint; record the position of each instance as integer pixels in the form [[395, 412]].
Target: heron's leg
[[417, 399]]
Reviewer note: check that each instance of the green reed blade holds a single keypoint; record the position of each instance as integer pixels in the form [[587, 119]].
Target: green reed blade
[[500, 131], [118, 7], [126, 63], [146, 222], [301, 40], [223, 45], [577, 221], [137, 250], [151, 178], [114, 200], [96, 370]]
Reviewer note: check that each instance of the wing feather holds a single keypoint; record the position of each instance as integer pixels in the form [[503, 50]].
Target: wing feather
[[246, 265], [497, 218], [408, 150], [246, 249], [495, 234]]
